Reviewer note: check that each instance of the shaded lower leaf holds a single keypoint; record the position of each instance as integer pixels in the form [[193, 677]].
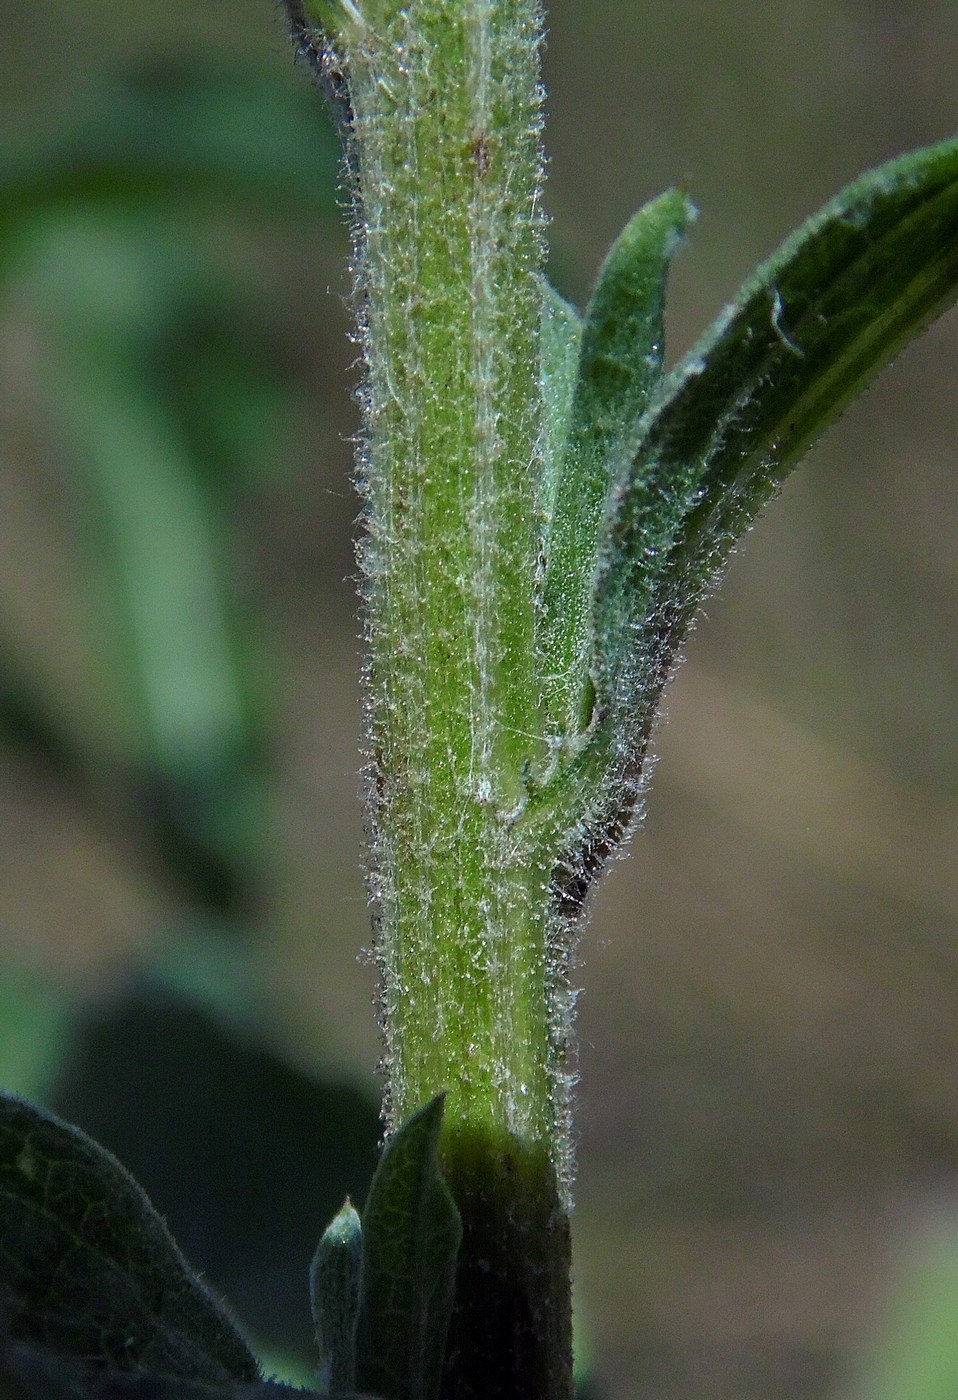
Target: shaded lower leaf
[[27, 1373], [334, 1282], [806, 333], [242, 1147], [411, 1235], [87, 1268]]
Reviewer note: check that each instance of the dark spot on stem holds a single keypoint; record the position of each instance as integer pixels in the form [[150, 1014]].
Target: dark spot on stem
[[480, 154]]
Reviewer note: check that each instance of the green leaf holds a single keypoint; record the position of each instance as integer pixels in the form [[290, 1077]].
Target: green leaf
[[249, 1110], [620, 365], [624, 335], [30, 1374], [179, 132], [411, 1235], [806, 333], [88, 1269], [334, 1281], [560, 337]]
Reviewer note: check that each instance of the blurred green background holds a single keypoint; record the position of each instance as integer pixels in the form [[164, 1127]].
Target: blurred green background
[[769, 1041]]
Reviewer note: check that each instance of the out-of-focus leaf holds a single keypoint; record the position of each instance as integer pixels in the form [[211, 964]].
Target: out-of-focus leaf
[[35, 1025], [156, 519], [175, 132], [411, 1235], [88, 1269], [113, 200]]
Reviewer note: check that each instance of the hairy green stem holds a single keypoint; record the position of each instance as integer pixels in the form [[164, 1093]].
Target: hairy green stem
[[449, 175], [445, 124]]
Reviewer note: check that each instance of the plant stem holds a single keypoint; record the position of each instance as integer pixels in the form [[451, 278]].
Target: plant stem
[[446, 115]]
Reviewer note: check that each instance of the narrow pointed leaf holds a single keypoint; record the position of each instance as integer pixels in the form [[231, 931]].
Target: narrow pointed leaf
[[620, 366], [334, 1281], [411, 1235], [87, 1268], [623, 339], [806, 333]]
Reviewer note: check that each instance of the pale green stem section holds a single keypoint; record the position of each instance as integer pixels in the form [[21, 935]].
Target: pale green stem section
[[446, 105], [445, 128]]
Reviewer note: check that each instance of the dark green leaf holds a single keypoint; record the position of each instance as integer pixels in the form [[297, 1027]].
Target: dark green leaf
[[88, 1269], [334, 1280], [411, 1234], [246, 1141], [29, 1374], [620, 365], [807, 331]]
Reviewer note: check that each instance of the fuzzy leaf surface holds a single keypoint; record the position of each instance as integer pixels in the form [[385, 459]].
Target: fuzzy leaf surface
[[30, 1374], [27, 1373], [623, 339], [89, 1271], [334, 1281], [411, 1234], [808, 330], [559, 340], [619, 368]]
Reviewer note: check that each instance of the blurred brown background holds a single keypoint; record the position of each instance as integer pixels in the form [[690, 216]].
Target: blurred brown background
[[769, 1044]]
